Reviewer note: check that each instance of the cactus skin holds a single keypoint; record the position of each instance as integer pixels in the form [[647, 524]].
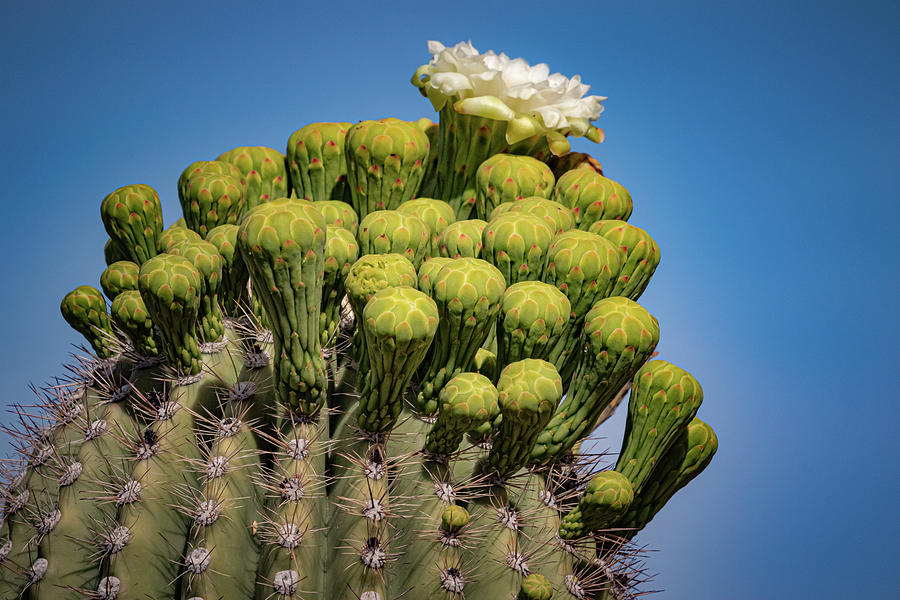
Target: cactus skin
[[385, 164], [363, 456], [132, 216], [316, 162]]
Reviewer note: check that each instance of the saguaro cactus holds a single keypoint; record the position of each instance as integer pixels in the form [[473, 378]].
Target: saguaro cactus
[[411, 418]]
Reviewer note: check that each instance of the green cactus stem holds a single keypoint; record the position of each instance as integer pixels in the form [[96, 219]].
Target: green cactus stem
[[385, 164], [619, 337], [506, 178], [432, 131], [462, 239], [132, 216], [638, 253], [606, 498], [171, 288], [664, 399], [393, 232], [317, 163], [339, 214], [233, 294], [208, 201], [207, 260], [130, 314], [283, 244], [517, 244], [118, 277], [85, 310], [436, 214], [468, 292], [264, 171], [592, 197]]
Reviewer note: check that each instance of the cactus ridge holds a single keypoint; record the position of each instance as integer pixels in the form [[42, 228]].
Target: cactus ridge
[[327, 381]]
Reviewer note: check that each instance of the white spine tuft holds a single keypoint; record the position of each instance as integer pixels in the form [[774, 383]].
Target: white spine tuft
[[197, 560], [292, 489], [289, 535], [229, 427], [37, 570], [71, 474], [452, 580], [5, 550], [285, 582], [516, 562], [242, 390], [109, 588], [115, 540], [96, 429], [370, 595], [216, 467], [298, 448], [49, 522], [130, 492]]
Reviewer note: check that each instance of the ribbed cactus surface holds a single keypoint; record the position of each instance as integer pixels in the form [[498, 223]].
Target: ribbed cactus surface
[[321, 385]]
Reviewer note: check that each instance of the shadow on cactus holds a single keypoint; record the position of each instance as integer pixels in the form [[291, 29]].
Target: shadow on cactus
[[328, 382]]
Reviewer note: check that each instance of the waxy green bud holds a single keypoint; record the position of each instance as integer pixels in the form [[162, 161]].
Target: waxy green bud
[[529, 391], [283, 244], [506, 178], [466, 402], [385, 163], [206, 258], [175, 235], [118, 277], [592, 197], [454, 518], [339, 214], [533, 317], [130, 314], [399, 324], [341, 251], [517, 244], [468, 293], [690, 453], [171, 288], [557, 216], [462, 239], [317, 164], [208, 201], [207, 168], [113, 252], [436, 214], [392, 232], [638, 253], [619, 337], [664, 399], [85, 310], [264, 171], [606, 498], [235, 276], [535, 587], [132, 216]]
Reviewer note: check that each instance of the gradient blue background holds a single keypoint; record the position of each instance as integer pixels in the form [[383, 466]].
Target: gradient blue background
[[758, 139]]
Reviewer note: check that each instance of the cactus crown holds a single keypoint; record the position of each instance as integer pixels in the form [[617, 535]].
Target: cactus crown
[[327, 382]]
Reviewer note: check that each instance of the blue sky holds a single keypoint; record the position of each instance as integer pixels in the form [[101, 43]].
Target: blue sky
[[759, 141]]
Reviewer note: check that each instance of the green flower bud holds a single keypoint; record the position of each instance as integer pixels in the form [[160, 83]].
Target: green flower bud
[[132, 216], [118, 277], [462, 239], [317, 162], [339, 213], [436, 214], [466, 402], [506, 177], [517, 244], [265, 172], [85, 310], [130, 314], [638, 253], [606, 498], [392, 232], [592, 197]]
